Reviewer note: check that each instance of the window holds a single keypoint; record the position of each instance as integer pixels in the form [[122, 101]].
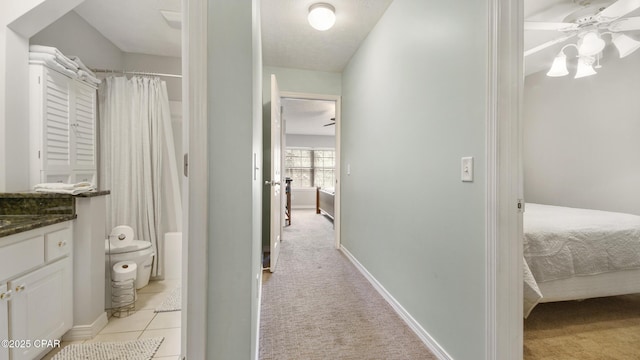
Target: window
[[311, 167]]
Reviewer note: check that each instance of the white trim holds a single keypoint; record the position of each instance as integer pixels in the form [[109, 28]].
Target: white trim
[[427, 339], [86, 332], [338, 100], [303, 207], [194, 89], [257, 350], [503, 283]]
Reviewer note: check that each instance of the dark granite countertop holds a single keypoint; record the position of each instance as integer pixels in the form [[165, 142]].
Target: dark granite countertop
[[23, 211], [33, 194], [13, 224]]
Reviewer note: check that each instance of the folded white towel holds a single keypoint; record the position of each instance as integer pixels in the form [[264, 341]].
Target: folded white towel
[[50, 61], [61, 186], [74, 191], [83, 75], [81, 65], [60, 57]]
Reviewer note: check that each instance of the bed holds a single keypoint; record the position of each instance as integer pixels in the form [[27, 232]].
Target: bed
[[325, 201], [572, 254]]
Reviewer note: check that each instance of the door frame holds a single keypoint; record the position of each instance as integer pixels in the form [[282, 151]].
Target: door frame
[[195, 186], [504, 187], [503, 281], [337, 99]]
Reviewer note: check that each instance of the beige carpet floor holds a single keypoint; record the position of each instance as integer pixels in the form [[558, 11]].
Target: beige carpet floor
[[318, 306], [593, 329]]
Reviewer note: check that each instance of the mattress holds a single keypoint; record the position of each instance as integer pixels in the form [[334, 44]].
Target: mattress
[[586, 249], [562, 242]]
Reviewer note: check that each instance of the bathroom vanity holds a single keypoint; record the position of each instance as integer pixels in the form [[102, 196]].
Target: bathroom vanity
[[36, 275], [47, 270]]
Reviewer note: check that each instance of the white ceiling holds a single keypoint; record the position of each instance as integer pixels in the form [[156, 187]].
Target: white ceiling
[[134, 26], [289, 41], [308, 117]]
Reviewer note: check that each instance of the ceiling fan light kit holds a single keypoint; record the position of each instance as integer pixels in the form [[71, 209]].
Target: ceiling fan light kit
[[559, 66], [624, 44], [591, 21], [590, 44], [322, 16], [585, 67]]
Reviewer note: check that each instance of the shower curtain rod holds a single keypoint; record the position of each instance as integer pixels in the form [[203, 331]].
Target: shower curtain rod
[[106, 71]]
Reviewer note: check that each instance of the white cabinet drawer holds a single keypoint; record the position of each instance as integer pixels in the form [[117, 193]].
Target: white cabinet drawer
[[21, 256], [57, 244]]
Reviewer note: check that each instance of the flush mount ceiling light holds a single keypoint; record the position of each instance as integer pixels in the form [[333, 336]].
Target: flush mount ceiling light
[[322, 16]]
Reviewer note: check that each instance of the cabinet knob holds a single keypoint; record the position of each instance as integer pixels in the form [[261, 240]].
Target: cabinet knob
[[5, 295], [62, 243], [20, 287]]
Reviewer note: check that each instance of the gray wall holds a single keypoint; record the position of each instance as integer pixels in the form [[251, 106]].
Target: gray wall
[[414, 103], [316, 141], [291, 80], [72, 35], [581, 137], [234, 107]]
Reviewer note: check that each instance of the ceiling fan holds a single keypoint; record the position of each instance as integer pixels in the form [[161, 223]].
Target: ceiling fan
[[331, 123], [589, 23]]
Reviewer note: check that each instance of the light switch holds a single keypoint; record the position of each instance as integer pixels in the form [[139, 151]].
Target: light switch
[[467, 168], [348, 169]]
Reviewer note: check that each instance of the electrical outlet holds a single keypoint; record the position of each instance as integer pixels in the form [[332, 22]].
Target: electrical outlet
[[467, 169]]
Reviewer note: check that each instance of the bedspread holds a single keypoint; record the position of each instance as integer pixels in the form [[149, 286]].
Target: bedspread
[[561, 242]]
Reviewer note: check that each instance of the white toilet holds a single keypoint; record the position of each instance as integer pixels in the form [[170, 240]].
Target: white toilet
[[138, 251]]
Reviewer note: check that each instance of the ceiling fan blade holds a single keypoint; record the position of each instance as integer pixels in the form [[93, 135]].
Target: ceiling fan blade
[[547, 44], [617, 9], [632, 23], [535, 25]]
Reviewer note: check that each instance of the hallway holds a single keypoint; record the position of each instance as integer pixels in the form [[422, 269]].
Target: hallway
[[318, 306]]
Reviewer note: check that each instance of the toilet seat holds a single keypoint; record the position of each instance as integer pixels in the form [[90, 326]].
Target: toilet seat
[[136, 245]]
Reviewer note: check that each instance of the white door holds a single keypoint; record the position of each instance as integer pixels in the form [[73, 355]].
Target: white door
[[41, 306], [276, 174]]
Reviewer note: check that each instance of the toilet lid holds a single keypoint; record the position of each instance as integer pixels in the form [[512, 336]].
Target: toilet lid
[[136, 245]]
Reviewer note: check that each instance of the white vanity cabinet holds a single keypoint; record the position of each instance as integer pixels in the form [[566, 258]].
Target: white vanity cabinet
[[62, 121], [5, 295], [40, 305]]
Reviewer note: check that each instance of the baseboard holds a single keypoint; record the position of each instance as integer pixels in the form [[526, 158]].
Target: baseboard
[[303, 207], [429, 341], [86, 332]]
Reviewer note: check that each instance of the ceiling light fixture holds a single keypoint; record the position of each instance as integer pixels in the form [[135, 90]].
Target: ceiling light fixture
[[624, 44], [590, 48], [322, 16]]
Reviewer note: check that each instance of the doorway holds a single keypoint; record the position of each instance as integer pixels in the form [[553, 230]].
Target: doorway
[[311, 153]]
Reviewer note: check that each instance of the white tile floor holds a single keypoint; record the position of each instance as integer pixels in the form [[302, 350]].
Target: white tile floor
[[144, 322]]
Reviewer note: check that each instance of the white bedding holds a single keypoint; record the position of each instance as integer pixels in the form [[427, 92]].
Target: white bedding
[[561, 242]]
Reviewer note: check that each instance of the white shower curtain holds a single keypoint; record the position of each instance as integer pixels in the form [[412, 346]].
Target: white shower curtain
[[137, 160]]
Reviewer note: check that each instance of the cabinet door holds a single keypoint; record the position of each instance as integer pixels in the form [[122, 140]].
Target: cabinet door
[[41, 306], [4, 320], [56, 142], [84, 127]]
